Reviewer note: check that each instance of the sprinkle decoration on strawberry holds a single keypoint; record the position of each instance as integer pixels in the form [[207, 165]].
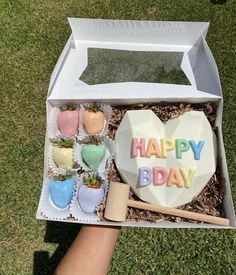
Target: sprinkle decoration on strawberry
[[93, 152], [61, 190], [62, 152], [93, 118], [68, 120], [90, 193]]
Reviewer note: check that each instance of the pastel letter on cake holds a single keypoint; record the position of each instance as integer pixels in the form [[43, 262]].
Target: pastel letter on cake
[[137, 145], [187, 175], [167, 144], [182, 145], [153, 149], [197, 148], [145, 176], [175, 178], [160, 175]]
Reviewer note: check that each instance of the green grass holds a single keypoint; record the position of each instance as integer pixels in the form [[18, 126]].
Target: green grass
[[32, 36]]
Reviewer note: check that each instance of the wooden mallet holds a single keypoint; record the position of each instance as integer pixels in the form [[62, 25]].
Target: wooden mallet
[[117, 203]]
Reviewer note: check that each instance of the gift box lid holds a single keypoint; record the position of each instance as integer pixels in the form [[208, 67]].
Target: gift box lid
[[123, 59]]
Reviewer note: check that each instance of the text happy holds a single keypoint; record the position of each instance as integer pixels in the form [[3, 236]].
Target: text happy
[[141, 148]]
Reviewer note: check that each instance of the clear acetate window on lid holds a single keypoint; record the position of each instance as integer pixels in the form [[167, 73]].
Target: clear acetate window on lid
[[116, 66]]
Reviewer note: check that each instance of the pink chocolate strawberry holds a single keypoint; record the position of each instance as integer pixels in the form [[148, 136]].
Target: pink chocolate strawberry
[[68, 120]]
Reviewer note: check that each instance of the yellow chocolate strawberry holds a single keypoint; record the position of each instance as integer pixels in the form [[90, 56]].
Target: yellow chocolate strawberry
[[62, 153]]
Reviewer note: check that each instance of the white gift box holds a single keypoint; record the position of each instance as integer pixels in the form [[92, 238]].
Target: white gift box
[[184, 39]]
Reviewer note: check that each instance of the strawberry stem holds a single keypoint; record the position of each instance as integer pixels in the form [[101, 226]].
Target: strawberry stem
[[64, 143], [93, 107], [67, 107], [63, 177], [92, 140], [93, 180]]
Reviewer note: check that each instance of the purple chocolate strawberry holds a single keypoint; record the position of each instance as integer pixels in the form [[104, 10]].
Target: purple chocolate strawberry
[[90, 194]]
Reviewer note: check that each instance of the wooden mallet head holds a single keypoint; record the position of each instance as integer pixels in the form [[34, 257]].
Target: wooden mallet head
[[117, 201]]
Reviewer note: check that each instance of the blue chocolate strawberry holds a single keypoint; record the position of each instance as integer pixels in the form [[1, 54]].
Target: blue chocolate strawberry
[[61, 190], [93, 153]]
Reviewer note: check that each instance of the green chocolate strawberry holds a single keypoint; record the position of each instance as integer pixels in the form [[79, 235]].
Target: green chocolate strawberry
[[93, 153]]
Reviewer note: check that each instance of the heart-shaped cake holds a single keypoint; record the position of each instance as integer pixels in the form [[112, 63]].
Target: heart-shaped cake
[[165, 164]]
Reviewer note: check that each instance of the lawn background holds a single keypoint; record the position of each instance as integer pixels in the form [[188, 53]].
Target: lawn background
[[32, 36]]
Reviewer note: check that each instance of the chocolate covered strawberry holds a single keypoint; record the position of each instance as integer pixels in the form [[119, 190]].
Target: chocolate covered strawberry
[[90, 193], [93, 152], [61, 190], [93, 118], [68, 120], [62, 152]]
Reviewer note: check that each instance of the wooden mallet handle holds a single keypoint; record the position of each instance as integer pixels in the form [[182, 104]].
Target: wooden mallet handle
[[117, 203], [179, 213]]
